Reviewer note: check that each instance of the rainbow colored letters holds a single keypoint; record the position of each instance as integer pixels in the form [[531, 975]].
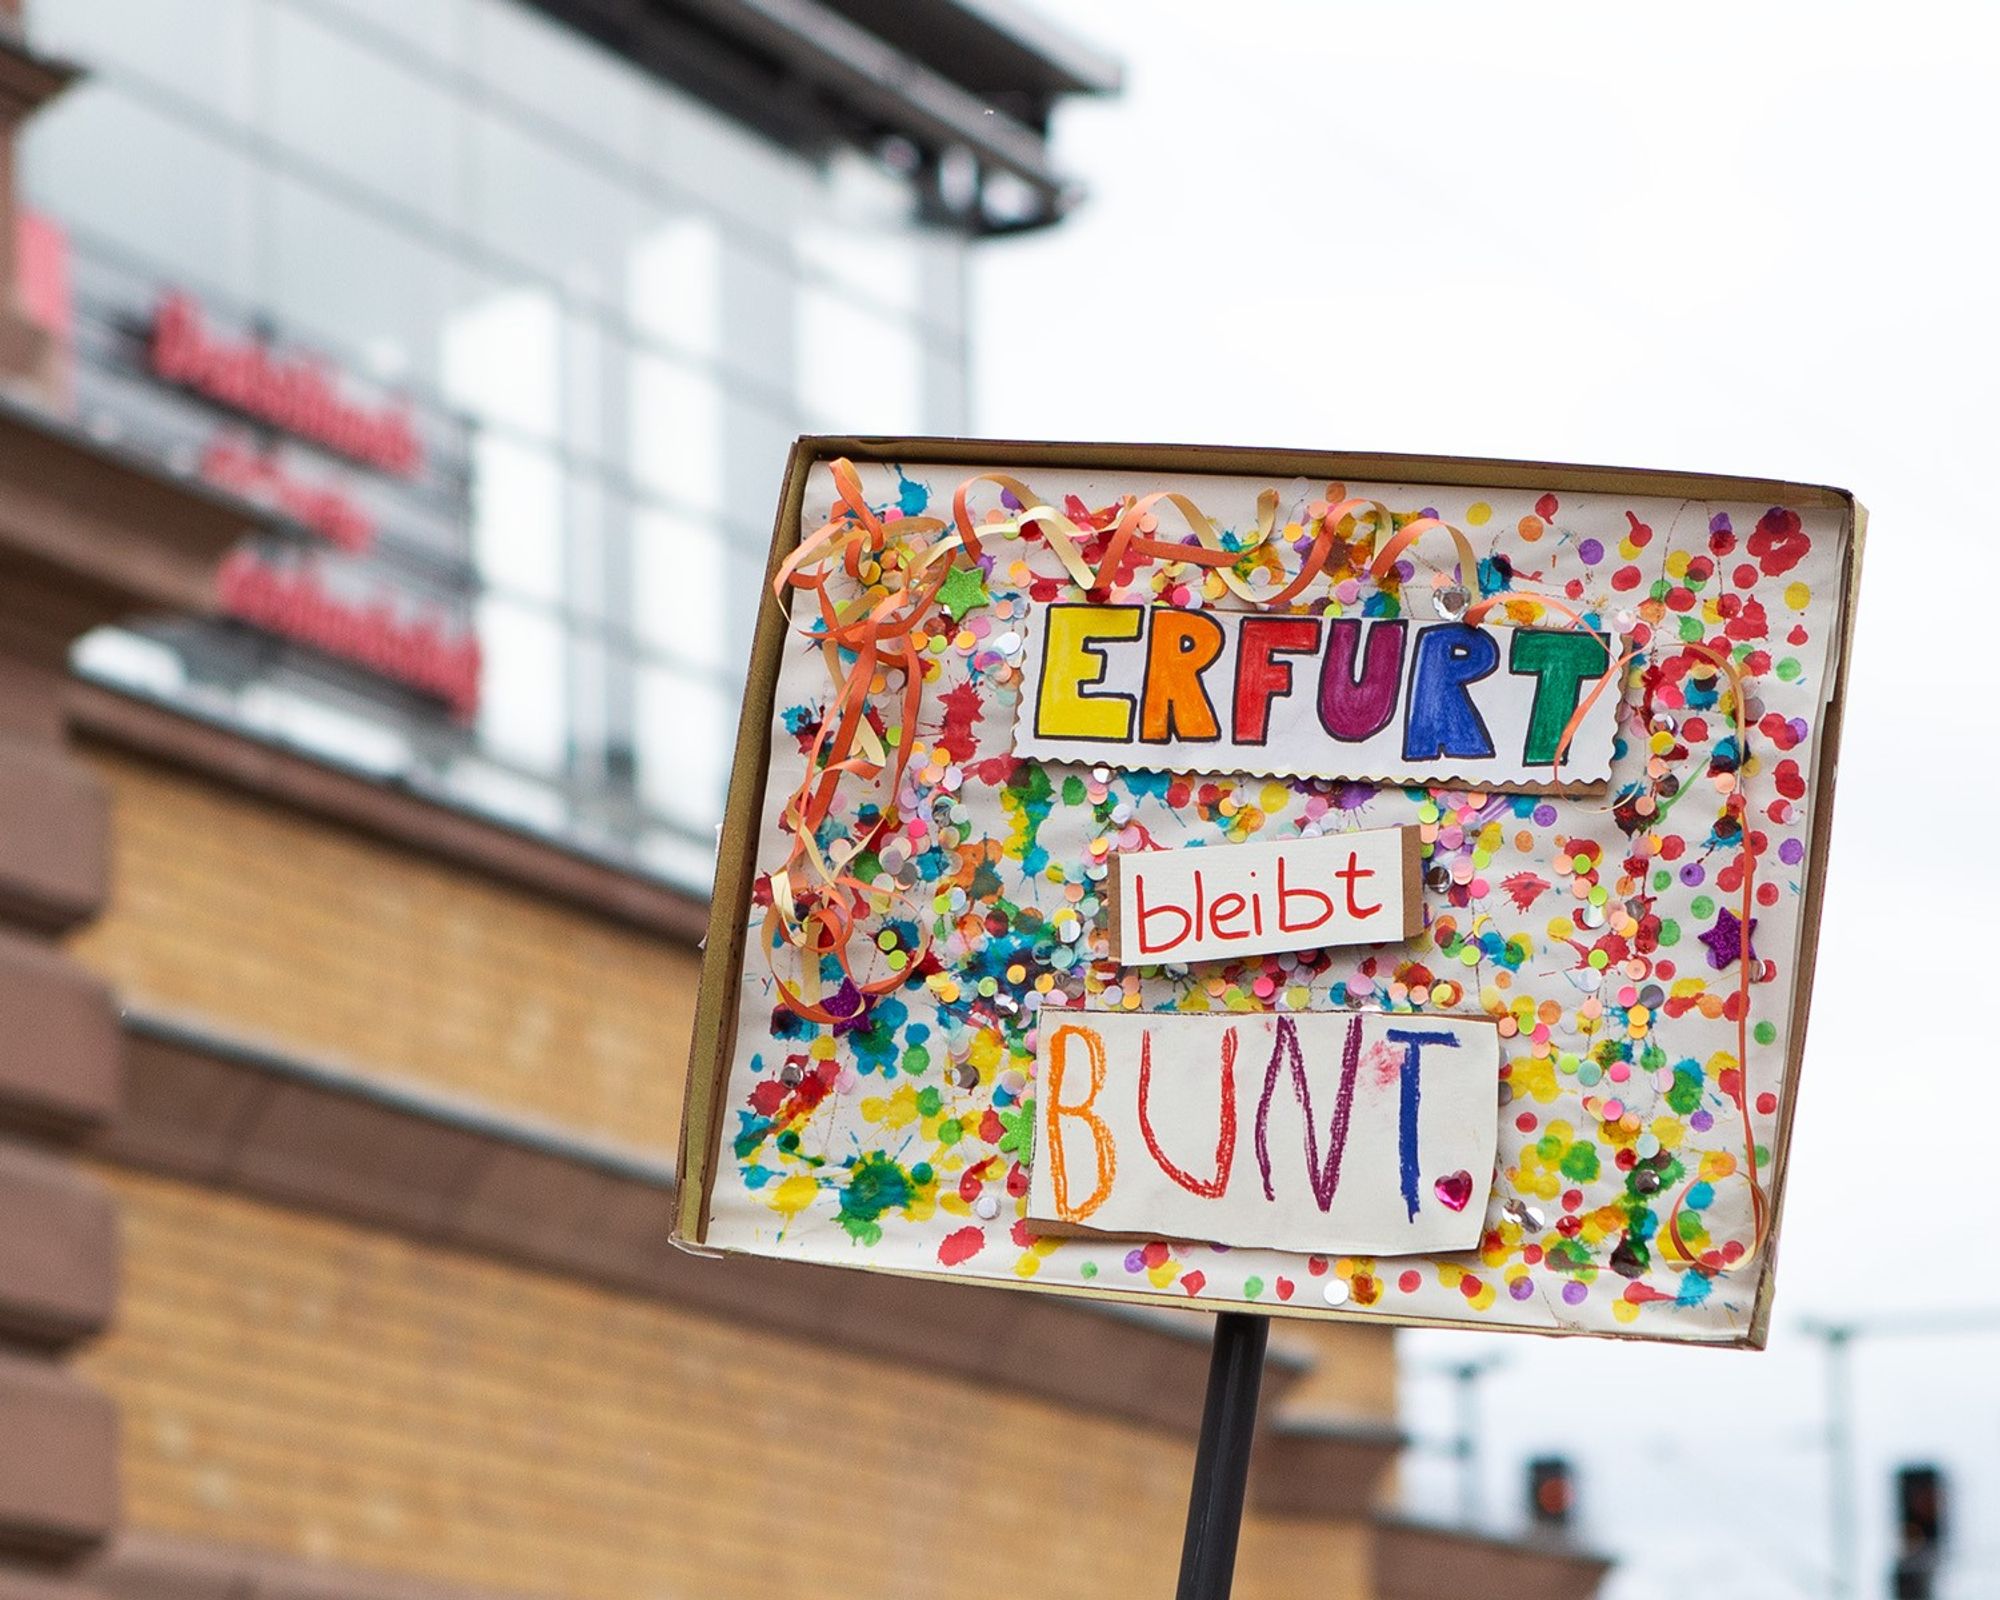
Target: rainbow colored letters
[[1390, 700]]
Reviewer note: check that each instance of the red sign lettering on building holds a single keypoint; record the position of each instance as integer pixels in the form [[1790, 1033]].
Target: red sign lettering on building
[[336, 517], [424, 653], [298, 393]]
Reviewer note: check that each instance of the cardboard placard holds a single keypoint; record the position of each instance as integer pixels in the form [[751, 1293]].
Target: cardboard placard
[[865, 1085]]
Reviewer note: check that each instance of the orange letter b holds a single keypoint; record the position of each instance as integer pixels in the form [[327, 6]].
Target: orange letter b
[[1100, 1135]]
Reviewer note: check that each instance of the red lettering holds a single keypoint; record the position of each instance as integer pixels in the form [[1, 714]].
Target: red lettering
[[1260, 676], [299, 606], [1225, 1137], [1350, 875], [299, 395], [1287, 894], [1227, 908], [328, 512], [1189, 920]]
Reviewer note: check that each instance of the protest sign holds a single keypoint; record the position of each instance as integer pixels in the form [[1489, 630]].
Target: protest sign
[[1480, 813]]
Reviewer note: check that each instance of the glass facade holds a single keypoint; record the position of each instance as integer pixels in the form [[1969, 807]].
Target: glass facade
[[614, 306]]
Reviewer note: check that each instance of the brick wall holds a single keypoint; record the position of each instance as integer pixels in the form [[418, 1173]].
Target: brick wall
[[1353, 1374], [305, 1387], [261, 919], [310, 936], [301, 1386]]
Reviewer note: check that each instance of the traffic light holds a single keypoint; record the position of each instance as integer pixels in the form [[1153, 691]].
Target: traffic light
[[1921, 1522], [1551, 1492]]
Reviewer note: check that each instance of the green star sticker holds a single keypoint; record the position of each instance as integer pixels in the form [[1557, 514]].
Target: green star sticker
[[1018, 1137], [963, 588]]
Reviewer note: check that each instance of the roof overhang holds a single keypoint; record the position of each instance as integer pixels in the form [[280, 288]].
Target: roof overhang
[[957, 93]]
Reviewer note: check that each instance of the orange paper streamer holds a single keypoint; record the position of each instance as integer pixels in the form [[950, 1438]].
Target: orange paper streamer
[[815, 907]]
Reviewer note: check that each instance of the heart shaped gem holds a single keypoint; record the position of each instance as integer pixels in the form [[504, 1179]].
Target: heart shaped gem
[[1285, 1288], [1454, 1189]]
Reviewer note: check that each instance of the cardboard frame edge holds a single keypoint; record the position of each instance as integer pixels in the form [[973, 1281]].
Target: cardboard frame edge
[[713, 1039]]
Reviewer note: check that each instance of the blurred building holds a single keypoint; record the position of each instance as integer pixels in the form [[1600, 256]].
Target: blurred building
[[396, 392]]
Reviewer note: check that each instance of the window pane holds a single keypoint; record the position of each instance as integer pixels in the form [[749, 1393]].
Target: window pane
[[363, 287], [199, 49], [859, 237], [112, 655], [548, 212], [345, 106], [590, 698], [944, 392], [517, 526], [523, 684], [351, 739], [678, 859], [745, 595], [151, 186], [433, 26], [703, 154], [859, 370], [674, 441], [587, 348], [596, 579], [685, 728], [943, 261], [679, 596], [758, 302], [501, 359], [560, 75], [759, 443], [500, 793], [673, 285]]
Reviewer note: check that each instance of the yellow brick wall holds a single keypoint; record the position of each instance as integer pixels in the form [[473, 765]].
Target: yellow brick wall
[[314, 937], [309, 935], [1353, 1373], [302, 1386], [299, 1385]]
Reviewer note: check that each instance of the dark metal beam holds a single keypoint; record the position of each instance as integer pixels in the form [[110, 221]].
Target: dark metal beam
[[805, 74]]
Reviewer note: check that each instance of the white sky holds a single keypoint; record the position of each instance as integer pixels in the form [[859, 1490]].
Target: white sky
[[1729, 238]]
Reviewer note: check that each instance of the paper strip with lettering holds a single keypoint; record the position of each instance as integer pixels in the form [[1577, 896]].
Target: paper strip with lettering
[[1320, 1132], [1382, 699], [1223, 901]]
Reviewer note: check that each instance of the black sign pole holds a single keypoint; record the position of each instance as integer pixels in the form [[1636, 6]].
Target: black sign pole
[[1222, 1458]]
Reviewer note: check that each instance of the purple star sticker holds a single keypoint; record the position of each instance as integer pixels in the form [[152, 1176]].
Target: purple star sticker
[[1728, 940]]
